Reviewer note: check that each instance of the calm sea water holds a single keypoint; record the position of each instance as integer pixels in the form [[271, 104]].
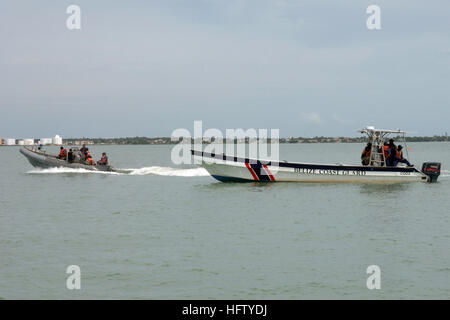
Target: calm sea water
[[165, 232]]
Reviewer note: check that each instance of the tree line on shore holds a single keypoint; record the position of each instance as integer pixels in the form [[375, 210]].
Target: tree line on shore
[[168, 140]]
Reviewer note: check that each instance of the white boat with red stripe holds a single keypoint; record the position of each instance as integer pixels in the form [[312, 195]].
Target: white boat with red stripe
[[228, 168]]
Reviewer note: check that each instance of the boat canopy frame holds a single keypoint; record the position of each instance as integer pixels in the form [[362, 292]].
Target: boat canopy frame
[[377, 137]]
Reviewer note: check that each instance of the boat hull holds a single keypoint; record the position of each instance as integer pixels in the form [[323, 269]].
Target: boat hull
[[40, 159], [227, 169]]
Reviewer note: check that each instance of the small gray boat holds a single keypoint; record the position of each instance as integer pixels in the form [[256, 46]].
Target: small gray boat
[[41, 159]]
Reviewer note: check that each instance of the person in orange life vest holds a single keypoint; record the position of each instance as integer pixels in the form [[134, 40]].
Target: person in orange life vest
[[365, 156], [400, 156], [386, 150], [62, 153], [104, 160], [87, 154], [89, 160]]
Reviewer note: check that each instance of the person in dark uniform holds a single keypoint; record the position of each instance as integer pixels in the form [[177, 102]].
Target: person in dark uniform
[[83, 149], [391, 160], [70, 156], [400, 156], [365, 156]]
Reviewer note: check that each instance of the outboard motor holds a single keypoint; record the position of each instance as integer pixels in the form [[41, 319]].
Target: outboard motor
[[432, 170]]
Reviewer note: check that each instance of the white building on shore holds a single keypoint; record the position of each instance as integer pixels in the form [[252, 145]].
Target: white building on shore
[[57, 140], [10, 142], [45, 141], [25, 142], [28, 142]]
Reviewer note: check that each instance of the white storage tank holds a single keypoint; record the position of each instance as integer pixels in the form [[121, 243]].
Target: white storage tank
[[10, 142], [28, 142], [57, 140], [20, 142], [45, 141]]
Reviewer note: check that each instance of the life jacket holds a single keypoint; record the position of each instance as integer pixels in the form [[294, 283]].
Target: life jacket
[[104, 160], [90, 161], [393, 153], [386, 151], [62, 153], [87, 155], [365, 153]]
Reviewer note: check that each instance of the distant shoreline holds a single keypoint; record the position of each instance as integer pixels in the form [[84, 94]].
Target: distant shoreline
[[168, 141]]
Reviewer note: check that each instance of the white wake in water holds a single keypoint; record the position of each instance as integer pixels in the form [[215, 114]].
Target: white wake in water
[[65, 170], [154, 170], [167, 171], [445, 174]]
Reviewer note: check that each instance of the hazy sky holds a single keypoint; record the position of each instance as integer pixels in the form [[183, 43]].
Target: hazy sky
[[148, 67]]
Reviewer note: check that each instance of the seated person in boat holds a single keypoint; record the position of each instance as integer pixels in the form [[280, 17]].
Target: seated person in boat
[[365, 156], [400, 156], [90, 161], [104, 160], [386, 151], [396, 156], [70, 156], [62, 153], [86, 154], [83, 149], [391, 157], [78, 156]]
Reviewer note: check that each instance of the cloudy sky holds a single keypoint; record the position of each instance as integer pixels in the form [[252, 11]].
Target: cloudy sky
[[148, 67]]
